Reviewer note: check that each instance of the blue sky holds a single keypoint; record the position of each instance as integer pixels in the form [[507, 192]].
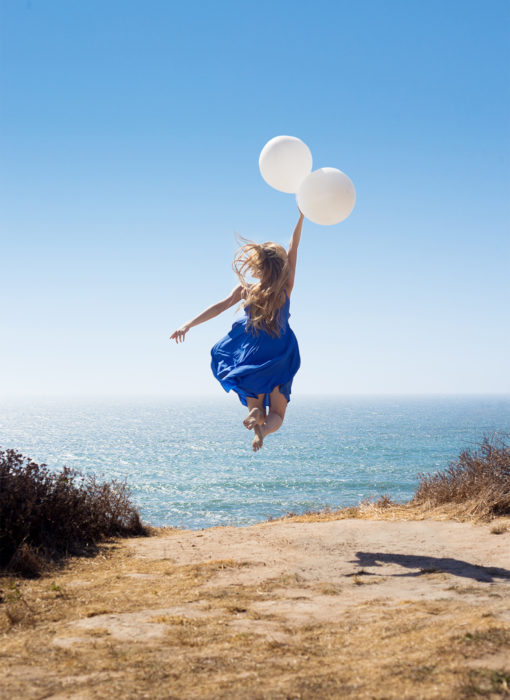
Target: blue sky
[[130, 137]]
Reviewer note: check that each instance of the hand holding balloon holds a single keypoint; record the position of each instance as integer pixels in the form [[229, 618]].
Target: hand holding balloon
[[325, 196]]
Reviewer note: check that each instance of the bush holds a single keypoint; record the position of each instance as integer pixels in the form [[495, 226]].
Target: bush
[[478, 478], [45, 516]]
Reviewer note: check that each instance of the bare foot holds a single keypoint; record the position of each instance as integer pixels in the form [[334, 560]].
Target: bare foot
[[254, 417], [258, 440]]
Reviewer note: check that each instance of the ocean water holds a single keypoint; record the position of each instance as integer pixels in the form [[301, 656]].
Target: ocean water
[[189, 462]]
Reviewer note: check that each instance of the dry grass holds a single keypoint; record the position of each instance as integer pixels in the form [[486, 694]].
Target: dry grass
[[500, 528], [371, 510]]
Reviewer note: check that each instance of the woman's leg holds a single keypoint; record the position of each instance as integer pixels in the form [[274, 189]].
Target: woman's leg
[[277, 407], [257, 412]]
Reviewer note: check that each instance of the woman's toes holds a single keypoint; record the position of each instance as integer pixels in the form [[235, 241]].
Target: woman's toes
[[254, 417], [258, 440], [256, 444], [249, 421]]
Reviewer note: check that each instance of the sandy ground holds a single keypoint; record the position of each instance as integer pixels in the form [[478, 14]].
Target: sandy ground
[[393, 555], [343, 608]]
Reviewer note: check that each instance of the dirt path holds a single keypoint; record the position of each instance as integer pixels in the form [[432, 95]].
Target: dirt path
[[405, 560]]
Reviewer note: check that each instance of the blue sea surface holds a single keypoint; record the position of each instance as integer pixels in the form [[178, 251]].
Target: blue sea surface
[[189, 463]]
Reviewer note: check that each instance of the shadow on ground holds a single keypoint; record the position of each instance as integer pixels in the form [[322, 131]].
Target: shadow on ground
[[427, 564]]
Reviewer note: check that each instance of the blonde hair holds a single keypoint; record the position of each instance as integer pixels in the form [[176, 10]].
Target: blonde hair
[[268, 261]]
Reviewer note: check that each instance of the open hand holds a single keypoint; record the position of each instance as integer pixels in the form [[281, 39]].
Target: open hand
[[180, 334]]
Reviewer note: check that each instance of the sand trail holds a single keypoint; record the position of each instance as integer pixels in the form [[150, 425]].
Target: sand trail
[[394, 560]]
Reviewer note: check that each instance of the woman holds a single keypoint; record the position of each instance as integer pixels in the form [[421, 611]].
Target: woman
[[259, 357]]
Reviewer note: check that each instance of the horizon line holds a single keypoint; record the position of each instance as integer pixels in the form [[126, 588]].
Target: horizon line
[[208, 396]]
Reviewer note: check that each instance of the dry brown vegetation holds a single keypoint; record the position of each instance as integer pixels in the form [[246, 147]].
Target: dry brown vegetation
[[478, 481], [46, 516]]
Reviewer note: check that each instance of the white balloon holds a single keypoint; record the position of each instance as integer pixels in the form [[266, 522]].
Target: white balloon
[[284, 162], [326, 196]]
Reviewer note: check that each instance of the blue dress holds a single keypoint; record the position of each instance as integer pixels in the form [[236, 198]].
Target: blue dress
[[252, 365]]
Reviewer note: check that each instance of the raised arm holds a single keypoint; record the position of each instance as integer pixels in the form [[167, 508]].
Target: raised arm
[[292, 252], [214, 310]]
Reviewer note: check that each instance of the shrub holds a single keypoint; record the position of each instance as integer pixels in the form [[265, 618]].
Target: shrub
[[479, 479], [45, 516]]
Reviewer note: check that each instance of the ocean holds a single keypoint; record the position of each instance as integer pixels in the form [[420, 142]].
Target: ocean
[[189, 462]]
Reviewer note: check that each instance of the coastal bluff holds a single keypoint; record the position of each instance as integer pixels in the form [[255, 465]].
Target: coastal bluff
[[381, 606]]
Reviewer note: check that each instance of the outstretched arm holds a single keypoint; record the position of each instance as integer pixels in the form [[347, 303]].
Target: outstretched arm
[[214, 310], [292, 252]]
